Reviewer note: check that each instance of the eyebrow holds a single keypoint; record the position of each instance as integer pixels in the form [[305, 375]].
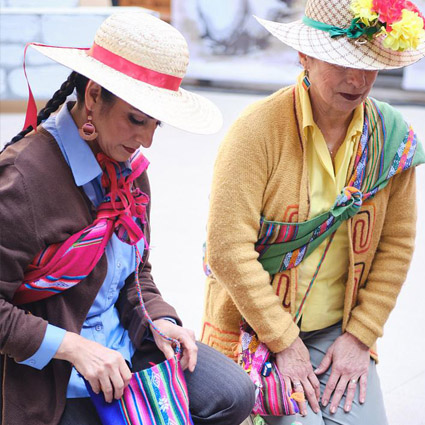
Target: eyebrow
[[144, 113]]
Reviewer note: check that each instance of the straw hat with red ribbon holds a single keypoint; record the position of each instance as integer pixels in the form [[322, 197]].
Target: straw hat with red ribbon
[[142, 60], [363, 34]]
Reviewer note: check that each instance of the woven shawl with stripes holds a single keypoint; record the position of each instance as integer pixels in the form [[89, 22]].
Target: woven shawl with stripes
[[387, 147], [61, 266]]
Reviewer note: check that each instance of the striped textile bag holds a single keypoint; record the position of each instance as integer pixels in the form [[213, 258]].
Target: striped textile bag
[[154, 396], [272, 398], [157, 395]]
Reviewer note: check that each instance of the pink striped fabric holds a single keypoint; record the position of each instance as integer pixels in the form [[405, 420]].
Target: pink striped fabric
[[61, 266]]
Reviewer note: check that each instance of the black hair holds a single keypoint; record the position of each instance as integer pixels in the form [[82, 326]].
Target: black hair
[[74, 81]]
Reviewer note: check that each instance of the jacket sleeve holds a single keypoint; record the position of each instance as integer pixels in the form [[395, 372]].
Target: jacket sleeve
[[390, 264], [128, 304], [236, 204], [21, 334]]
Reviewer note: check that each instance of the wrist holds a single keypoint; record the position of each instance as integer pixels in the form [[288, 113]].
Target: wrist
[[359, 343], [68, 347]]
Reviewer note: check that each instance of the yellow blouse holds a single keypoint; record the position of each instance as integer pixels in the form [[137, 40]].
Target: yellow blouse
[[325, 303]]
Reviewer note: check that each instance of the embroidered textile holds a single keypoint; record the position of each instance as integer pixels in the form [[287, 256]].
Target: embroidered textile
[[385, 149]]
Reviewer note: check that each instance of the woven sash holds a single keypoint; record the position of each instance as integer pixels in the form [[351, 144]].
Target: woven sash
[[61, 266], [386, 148]]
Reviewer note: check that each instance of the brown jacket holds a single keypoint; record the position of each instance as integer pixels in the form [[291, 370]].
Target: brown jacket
[[40, 205]]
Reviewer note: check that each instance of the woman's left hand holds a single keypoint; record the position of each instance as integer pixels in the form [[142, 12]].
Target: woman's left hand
[[186, 337], [350, 363]]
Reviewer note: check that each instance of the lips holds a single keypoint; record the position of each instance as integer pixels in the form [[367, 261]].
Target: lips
[[129, 150], [350, 97]]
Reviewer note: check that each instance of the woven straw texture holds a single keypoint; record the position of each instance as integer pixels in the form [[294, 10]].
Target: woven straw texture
[[361, 54], [149, 42]]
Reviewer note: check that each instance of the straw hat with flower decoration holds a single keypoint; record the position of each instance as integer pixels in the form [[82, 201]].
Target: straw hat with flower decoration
[[363, 34], [142, 60]]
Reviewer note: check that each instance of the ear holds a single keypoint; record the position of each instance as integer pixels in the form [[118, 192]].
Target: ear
[[92, 95], [303, 59]]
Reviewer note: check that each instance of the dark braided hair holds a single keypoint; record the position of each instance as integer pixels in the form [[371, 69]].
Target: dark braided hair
[[74, 81]]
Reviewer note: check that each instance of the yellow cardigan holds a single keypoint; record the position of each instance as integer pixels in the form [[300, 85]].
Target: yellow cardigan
[[261, 170]]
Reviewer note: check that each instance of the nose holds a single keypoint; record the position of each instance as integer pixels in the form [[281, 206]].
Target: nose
[[356, 77], [145, 135]]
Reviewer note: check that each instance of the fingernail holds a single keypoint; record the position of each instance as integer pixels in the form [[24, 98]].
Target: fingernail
[[315, 370], [316, 410], [347, 408], [324, 403], [333, 409], [362, 400]]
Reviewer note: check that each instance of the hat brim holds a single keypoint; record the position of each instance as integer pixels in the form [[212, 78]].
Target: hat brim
[[369, 55], [181, 109]]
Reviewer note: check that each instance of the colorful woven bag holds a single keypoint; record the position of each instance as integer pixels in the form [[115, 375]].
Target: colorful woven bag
[[154, 396], [157, 395], [272, 398]]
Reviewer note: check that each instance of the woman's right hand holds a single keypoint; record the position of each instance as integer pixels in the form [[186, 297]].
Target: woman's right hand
[[294, 364], [105, 369]]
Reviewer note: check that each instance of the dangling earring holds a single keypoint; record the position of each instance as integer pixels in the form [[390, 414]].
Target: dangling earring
[[88, 130], [306, 81]]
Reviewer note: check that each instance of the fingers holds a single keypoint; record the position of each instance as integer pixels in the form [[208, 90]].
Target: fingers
[[297, 387], [165, 347], [186, 337], [329, 389], [288, 387], [310, 395], [349, 396], [190, 351], [338, 393], [363, 386], [312, 391], [325, 363], [106, 387]]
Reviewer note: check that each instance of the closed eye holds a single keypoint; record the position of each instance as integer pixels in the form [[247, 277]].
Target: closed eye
[[135, 121]]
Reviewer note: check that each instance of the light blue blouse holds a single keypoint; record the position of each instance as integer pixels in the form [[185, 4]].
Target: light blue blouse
[[102, 323]]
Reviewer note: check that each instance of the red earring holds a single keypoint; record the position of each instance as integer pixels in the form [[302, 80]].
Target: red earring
[[88, 130]]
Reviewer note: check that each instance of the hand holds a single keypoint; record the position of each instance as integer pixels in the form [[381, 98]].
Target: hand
[[105, 369], [186, 337], [294, 364], [350, 363]]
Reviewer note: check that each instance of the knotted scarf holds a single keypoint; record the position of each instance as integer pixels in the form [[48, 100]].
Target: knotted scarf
[[61, 266], [387, 147]]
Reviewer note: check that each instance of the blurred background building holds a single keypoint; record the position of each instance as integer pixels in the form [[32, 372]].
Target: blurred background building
[[229, 49]]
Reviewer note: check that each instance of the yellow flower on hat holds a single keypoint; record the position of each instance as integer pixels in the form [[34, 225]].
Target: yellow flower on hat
[[363, 9], [407, 33]]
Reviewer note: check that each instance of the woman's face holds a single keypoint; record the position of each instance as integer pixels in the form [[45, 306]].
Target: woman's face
[[335, 87], [121, 128]]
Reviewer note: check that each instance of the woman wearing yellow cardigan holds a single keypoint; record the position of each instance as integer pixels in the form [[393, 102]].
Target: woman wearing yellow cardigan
[[312, 214]]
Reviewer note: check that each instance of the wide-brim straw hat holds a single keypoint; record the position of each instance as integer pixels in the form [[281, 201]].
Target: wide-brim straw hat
[[142, 60], [352, 53]]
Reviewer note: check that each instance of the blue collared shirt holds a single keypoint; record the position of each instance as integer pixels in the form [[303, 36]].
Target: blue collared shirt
[[102, 323]]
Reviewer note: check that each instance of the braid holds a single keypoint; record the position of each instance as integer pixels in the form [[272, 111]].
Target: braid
[[51, 106]]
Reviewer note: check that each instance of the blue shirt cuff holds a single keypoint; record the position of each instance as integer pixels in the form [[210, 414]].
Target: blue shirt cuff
[[50, 344]]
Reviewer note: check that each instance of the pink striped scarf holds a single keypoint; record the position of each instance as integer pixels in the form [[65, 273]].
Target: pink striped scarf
[[61, 266]]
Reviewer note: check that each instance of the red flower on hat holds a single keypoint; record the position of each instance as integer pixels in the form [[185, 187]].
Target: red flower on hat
[[391, 11]]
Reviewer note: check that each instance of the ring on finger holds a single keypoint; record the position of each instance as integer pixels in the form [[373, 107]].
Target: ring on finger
[[297, 384]]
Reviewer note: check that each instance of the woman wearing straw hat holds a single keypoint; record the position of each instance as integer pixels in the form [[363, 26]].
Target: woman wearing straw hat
[[79, 306], [312, 214]]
